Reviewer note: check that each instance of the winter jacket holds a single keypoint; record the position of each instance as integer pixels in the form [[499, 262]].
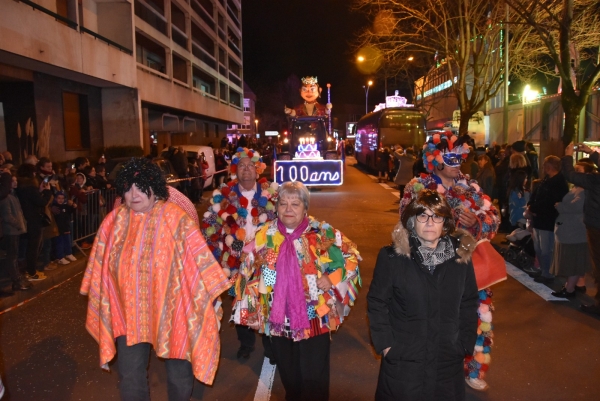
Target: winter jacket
[[486, 178], [569, 227], [542, 201], [517, 203], [428, 320], [405, 169], [13, 221], [5, 189], [62, 214], [591, 183], [33, 202]]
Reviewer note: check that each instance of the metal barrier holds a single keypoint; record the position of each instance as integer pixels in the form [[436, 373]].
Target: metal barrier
[[89, 215]]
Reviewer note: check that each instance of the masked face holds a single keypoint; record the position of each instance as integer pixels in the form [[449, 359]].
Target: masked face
[[310, 93]]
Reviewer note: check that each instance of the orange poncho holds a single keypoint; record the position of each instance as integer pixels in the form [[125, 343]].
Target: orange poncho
[[152, 278]]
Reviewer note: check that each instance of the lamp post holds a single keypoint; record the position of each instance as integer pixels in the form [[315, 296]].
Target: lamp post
[[366, 88], [256, 126]]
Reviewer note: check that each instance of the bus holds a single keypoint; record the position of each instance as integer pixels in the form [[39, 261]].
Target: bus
[[385, 128]]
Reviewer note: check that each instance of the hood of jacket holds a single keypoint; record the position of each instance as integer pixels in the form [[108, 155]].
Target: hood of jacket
[[463, 241]]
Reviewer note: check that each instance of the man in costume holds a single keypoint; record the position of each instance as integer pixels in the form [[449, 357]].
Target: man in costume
[[152, 283], [237, 211], [474, 212], [310, 92]]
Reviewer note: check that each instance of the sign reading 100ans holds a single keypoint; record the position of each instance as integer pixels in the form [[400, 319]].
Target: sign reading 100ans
[[310, 172]]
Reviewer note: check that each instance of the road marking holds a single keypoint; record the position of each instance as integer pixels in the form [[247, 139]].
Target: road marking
[[38, 295], [386, 186], [265, 381], [372, 177], [540, 289], [396, 194]]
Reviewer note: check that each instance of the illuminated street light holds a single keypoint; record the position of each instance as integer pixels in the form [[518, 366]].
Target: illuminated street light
[[366, 88], [256, 125], [529, 95], [360, 59], [411, 58]]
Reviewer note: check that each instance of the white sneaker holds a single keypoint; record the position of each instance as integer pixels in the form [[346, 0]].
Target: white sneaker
[[71, 258], [477, 384], [63, 261]]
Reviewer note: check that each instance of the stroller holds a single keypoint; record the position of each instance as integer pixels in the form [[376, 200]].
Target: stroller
[[520, 252]]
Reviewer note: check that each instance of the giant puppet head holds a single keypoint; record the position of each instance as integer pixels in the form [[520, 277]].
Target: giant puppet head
[[310, 90], [444, 149]]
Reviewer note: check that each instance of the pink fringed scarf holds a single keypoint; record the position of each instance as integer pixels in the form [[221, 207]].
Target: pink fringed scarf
[[289, 299]]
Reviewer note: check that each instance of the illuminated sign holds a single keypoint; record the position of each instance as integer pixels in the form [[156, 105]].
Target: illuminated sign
[[271, 133], [395, 101], [310, 172]]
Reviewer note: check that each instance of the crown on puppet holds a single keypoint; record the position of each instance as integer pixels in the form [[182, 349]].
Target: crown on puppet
[[444, 148], [254, 157], [309, 81]]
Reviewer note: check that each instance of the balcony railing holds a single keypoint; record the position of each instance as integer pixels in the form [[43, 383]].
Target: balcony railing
[[71, 24], [102, 38]]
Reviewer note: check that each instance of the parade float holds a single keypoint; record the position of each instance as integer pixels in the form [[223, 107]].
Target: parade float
[[309, 151]]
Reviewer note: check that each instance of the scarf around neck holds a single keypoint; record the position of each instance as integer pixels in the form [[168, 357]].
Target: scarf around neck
[[431, 258], [289, 299]]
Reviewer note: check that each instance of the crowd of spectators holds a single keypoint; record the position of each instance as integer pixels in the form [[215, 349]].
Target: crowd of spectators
[[44, 207], [538, 198]]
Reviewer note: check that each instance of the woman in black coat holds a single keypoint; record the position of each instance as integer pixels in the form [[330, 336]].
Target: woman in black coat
[[422, 305]]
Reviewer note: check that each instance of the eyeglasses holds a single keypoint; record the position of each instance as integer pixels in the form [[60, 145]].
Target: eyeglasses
[[246, 167], [424, 218]]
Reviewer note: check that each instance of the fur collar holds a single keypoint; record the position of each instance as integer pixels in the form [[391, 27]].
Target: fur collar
[[463, 241]]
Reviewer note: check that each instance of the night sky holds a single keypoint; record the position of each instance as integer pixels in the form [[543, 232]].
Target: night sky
[[308, 37]]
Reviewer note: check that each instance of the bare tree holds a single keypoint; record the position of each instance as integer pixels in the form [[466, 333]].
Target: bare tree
[[465, 34], [566, 44]]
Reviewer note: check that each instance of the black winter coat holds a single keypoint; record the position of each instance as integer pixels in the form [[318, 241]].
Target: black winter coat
[[33, 202], [428, 320], [591, 183], [542, 201]]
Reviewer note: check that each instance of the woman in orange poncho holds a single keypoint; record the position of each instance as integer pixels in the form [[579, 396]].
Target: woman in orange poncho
[[152, 283]]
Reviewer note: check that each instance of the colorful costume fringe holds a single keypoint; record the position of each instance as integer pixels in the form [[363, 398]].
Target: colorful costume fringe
[[321, 249]]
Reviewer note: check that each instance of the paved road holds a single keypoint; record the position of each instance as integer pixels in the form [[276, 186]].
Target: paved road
[[543, 350]]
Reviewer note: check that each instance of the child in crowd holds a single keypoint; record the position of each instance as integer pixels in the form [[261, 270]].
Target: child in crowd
[[62, 210], [518, 196]]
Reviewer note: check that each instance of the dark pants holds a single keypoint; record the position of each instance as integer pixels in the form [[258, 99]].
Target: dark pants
[[133, 373], [303, 367], [11, 244], [62, 245], [34, 244], [593, 237], [247, 338]]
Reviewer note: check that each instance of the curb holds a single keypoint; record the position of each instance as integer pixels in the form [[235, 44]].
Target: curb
[[54, 277]]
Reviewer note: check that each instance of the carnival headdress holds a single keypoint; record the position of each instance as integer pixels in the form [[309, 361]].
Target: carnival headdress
[[253, 155], [309, 81], [444, 149]]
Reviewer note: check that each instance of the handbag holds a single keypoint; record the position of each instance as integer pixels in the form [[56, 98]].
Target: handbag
[[489, 265]]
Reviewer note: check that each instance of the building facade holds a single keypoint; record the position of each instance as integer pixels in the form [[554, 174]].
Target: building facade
[[249, 126], [80, 75]]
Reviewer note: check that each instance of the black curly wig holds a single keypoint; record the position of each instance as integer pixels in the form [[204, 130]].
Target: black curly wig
[[145, 175]]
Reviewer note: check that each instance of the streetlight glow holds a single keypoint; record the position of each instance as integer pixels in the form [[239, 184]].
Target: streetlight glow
[[411, 58], [529, 95], [366, 88], [360, 59]]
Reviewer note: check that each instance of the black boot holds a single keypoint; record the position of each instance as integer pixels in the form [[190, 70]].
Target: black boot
[[21, 284]]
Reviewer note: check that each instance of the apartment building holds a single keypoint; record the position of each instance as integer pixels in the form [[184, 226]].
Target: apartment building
[[249, 126], [79, 75]]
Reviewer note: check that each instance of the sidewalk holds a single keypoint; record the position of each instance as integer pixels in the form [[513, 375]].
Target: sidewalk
[[54, 277]]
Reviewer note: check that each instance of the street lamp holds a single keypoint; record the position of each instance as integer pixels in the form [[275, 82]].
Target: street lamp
[[256, 125], [366, 88]]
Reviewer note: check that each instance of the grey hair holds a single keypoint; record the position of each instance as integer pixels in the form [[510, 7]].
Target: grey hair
[[295, 188]]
